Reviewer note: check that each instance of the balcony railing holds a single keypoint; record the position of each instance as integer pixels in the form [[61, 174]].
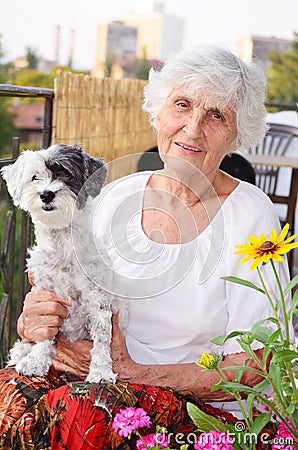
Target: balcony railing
[[16, 228]]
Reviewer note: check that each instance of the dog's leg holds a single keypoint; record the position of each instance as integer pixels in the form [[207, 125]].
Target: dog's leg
[[38, 361], [101, 362]]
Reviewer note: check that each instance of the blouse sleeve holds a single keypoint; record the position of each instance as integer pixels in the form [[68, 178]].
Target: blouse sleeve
[[245, 305]]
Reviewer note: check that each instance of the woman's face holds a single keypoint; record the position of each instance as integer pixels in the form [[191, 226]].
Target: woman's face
[[195, 130]]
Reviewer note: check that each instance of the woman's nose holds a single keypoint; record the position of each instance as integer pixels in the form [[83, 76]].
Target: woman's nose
[[194, 125]]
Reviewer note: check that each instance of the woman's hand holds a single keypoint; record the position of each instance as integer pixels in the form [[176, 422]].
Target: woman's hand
[[43, 314], [72, 357], [123, 365]]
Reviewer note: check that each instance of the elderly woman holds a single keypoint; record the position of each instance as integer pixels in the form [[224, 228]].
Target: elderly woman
[[170, 236]]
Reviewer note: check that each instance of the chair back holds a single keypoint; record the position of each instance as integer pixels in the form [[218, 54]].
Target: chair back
[[150, 160], [237, 165], [276, 142]]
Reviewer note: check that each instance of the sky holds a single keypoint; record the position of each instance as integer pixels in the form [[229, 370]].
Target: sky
[[33, 23]]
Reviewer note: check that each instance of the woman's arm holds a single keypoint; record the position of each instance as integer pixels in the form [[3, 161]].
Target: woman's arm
[[186, 377]]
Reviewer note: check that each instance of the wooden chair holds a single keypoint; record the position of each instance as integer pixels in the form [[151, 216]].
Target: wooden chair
[[277, 142]]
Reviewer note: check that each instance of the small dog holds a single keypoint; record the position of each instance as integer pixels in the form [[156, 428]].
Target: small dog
[[57, 187]]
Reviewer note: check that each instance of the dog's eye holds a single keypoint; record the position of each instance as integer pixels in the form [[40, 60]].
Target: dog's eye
[[34, 178], [63, 174]]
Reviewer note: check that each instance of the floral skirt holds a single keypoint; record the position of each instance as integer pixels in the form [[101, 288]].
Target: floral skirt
[[54, 413]]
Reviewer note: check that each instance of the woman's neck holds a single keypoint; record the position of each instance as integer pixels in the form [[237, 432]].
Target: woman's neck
[[189, 188]]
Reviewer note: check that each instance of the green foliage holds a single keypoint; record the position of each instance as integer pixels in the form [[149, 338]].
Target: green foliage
[[283, 75], [140, 69], [277, 368], [30, 77], [204, 421], [110, 59], [32, 58], [7, 128]]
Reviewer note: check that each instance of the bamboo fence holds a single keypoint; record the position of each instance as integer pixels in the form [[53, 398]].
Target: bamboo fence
[[105, 116]]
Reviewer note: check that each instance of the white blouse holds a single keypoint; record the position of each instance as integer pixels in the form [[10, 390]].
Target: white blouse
[[178, 300]]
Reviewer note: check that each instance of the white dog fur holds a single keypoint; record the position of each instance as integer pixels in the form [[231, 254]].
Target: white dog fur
[[57, 187]]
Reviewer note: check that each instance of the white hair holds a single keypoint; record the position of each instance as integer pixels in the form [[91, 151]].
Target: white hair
[[216, 72]]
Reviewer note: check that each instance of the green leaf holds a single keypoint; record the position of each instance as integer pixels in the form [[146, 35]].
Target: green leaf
[[260, 422], [232, 386], [246, 348], [290, 409], [260, 387], [294, 418], [261, 334], [243, 283], [243, 368], [204, 421], [274, 372], [250, 405], [284, 356], [293, 309], [274, 337], [291, 285], [220, 340]]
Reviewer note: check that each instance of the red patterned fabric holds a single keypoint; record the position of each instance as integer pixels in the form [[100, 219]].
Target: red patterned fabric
[[51, 413]]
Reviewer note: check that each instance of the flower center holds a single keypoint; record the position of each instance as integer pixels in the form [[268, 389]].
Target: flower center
[[267, 245]]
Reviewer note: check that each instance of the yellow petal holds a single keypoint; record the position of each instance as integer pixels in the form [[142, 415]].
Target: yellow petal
[[254, 240], [256, 262], [291, 238], [273, 235], [277, 258], [283, 233]]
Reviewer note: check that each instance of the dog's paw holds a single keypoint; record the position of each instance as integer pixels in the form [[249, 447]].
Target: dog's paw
[[31, 366], [38, 361], [18, 351]]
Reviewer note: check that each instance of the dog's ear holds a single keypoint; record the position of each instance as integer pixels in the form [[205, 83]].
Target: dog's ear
[[95, 175], [12, 174]]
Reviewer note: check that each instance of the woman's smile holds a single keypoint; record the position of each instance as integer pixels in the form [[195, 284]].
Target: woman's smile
[[187, 148]]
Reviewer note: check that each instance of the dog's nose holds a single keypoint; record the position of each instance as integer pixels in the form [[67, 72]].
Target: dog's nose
[[47, 196]]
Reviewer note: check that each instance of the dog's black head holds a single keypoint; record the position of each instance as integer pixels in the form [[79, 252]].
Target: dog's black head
[[81, 173]]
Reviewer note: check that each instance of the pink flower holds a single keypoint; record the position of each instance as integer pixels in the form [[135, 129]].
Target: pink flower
[[284, 438], [150, 441], [129, 419], [214, 440]]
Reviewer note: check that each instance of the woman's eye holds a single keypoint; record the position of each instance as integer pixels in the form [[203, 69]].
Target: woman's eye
[[182, 104], [34, 178], [216, 115]]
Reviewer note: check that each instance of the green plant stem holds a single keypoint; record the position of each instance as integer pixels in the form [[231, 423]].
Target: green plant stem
[[267, 293], [267, 376], [140, 436], [237, 397], [286, 322], [282, 299]]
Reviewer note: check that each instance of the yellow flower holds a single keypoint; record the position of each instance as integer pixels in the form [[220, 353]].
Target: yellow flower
[[262, 249], [207, 361]]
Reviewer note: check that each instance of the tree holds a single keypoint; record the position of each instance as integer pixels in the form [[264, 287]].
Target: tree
[[110, 59], [30, 77], [141, 67], [283, 75], [32, 59], [7, 129]]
